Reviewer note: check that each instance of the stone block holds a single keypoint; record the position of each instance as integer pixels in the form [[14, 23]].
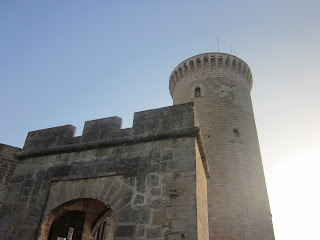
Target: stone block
[[186, 212], [184, 200], [126, 197], [170, 213], [49, 137], [158, 219], [164, 119], [90, 136], [153, 180], [14, 187], [155, 154], [156, 191], [26, 192], [125, 231], [126, 132], [175, 236], [12, 197], [49, 173], [139, 199], [110, 123], [141, 230], [39, 176], [172, 123], [137, 214], [175, 189], [7, 207], [141, 185], [153, 233], [61, 171], [167, 154], [17, 179], [160, 203]]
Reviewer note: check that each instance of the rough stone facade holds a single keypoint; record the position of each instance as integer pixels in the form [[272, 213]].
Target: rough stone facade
[[219, 85], [7, 165], [151, 181], [150, 178]]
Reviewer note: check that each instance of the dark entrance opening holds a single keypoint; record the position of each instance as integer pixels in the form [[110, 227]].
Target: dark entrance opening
[[72, 219]]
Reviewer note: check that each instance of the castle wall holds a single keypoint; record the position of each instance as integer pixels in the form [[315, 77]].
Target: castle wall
[[202, 202], [146, 174], [7, 166], [237, 196]]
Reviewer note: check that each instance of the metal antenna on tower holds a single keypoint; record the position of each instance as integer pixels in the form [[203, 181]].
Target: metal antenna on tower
[[218, 43]]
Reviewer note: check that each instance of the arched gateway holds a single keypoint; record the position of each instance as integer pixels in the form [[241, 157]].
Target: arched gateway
[[80, 208], [79, 219]]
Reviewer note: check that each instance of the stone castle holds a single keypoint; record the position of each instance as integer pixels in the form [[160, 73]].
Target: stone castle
[[188, 171]]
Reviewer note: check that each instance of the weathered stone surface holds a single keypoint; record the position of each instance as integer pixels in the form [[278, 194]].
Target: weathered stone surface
[[156, 191], [153, 233], [48, 137], [132, 172], [139, 199], [153, 180], [138, 214], [161, 161], [219, 84], [170, 213], [175, 236], [141, 230], [160, 203], [158, 219], [125, 231]]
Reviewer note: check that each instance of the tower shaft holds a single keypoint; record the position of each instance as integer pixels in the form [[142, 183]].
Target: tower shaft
[[219, 85]]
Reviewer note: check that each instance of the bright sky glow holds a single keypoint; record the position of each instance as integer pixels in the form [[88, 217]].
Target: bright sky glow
[[66, 62]]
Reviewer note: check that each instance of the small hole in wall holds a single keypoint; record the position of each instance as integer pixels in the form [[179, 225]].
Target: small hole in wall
[[208, 136], [222, 91], [235, 132], [236, 135]]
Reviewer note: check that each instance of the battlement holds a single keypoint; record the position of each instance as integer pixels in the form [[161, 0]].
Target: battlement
[[208, 63], [150, 122], [151, 125]]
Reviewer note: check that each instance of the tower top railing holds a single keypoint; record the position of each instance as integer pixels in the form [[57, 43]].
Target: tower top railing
[[208, 62]]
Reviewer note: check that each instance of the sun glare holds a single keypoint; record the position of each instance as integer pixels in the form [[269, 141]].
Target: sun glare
[[294, 196]]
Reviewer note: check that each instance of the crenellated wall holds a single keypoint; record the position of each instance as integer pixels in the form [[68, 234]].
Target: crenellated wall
[[151, 176], [207, 64], [108, 130]]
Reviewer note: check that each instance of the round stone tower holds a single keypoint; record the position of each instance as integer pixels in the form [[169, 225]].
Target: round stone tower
[[219, 84]]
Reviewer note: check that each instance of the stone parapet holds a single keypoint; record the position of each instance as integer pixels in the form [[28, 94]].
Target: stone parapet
[[211, 63], [145, 182], [163, 123], [156, 122]]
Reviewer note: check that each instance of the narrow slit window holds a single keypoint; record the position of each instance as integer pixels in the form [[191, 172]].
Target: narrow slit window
[[197, 92], [236, 135]]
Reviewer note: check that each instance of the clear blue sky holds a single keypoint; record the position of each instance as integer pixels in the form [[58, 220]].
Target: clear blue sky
[[66, 62]]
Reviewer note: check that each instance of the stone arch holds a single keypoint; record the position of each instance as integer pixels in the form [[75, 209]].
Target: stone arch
[[111, 192], [93, 209]]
